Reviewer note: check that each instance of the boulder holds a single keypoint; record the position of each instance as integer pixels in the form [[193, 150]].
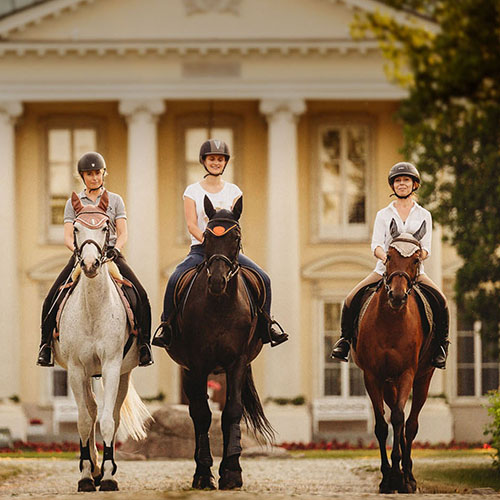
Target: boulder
[[171, 435]]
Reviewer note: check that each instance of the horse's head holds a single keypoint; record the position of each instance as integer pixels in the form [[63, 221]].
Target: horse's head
[[403, 264], [91, 234], [222, 245]]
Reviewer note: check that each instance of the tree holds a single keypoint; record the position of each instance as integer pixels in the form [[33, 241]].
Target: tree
[[451, 123]]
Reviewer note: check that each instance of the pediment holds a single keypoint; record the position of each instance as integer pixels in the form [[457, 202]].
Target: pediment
[[180, 20], [339, 266]]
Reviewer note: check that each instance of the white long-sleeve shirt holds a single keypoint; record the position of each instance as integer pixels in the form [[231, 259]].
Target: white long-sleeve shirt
[[382, 234]]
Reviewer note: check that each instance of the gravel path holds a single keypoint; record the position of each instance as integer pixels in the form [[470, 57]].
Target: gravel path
[[272, 478]]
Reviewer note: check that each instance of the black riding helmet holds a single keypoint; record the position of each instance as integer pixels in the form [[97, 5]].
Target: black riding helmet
[[89, 162], [214, 147], [404, 168]]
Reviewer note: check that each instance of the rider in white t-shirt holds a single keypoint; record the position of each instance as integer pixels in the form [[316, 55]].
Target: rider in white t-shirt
[[214, 156], [408, 215]]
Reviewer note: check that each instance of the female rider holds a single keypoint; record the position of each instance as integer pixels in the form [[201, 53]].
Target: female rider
[[92, 169], [404, 180], [214, 156]]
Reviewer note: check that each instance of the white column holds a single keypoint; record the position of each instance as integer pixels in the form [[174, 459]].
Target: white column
[[142, 250], [283, 363], [9, 291]]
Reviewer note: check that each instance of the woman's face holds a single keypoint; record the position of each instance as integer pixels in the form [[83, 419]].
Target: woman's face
[[215, 163], [403, 185], [93, 178]]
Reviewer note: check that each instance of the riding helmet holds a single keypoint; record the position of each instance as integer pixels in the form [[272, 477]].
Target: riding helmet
[[403, 168], [214, 147], [91, 161]]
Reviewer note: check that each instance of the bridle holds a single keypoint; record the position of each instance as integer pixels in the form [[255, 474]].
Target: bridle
[[220, 231], [411, 281], [91, 224]]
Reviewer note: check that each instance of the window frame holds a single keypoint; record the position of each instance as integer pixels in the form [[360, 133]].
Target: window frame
[[201, 120], [52, 234], [348, 232], [344, 367]]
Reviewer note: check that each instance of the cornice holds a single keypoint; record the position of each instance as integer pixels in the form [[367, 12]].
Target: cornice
[[287, 48], [20, 21], [213, 89]]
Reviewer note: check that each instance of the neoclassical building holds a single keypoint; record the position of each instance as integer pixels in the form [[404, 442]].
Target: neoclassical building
[[310, 118]]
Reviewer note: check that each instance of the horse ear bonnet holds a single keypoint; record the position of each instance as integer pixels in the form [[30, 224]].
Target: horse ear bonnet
[[420, 232], [209, 208], [394, 229]]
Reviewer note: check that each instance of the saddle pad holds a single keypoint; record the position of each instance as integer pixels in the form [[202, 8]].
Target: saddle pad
[[183, 286], [255, 286], [425, 309]]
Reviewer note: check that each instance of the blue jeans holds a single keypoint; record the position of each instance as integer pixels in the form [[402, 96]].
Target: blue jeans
[[195, 257]]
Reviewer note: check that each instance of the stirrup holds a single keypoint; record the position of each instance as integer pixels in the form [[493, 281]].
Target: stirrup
[[439, 360], [277, 338], [42, 356], [341, 350], [145, 356], [162, 336]]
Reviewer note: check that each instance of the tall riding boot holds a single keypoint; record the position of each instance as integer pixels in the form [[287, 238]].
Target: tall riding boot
[[343, 345], [144, 338], [268, 334], [45, 354], [442, 330]]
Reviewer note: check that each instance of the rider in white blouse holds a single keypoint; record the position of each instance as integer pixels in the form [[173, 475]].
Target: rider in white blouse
[[404, 180]]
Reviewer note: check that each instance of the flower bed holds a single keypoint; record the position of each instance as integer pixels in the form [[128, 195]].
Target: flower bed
[[361, 445]]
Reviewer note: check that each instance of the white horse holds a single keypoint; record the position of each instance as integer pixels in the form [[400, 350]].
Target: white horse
[[93, 332]]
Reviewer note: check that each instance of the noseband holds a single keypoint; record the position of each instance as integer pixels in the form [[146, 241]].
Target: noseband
[[220, 231]]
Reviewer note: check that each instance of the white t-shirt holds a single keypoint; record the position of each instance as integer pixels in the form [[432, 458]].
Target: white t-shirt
[[223, 199], [382, 233]]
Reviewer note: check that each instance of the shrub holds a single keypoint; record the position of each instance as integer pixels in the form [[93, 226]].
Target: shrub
[[493, 428]]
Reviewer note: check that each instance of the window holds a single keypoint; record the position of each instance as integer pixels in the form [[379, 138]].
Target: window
[[342, 157], [339, 379], [477, 360], [66, 140]]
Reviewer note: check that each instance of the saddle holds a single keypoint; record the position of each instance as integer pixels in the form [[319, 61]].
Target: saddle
[[428, 305], [254, 286], [125, 288]]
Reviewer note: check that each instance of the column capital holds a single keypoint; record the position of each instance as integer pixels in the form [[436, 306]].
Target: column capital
[[273, 107], [10, 110], [133, 107]]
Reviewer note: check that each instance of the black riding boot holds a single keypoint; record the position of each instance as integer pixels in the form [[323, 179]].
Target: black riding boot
[[343, 345], [144, 338], [442, 329], [163, 334], [45, 354]]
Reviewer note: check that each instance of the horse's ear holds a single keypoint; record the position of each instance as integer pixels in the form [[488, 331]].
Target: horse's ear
[[76, 202], [419, 233], [104, 202], [209, 208], [394, 229], [238, 208]]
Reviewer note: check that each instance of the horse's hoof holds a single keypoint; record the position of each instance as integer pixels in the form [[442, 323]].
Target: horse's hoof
[[109, 485], [203, 482], [230, 480], [385, 486], [86, 484]]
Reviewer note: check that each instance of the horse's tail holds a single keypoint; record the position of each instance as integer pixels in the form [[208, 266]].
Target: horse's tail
[[134, 415], [253, 413]]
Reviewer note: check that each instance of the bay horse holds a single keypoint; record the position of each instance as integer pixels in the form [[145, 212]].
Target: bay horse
[[93, 333], [394, 353], [214, 332]]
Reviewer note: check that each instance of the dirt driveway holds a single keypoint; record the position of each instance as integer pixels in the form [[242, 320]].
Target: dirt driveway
[[263, 477]]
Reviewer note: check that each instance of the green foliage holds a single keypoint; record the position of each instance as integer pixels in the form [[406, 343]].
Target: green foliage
[[493, 428], [451, 118]]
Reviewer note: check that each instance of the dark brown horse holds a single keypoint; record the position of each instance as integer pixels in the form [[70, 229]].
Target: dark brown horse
[[395, 355], [215, 331]]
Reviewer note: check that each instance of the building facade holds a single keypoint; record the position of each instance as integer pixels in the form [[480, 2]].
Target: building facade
[[310, 118]]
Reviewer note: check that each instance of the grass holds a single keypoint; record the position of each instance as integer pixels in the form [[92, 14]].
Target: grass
[[41, 454], [456, 479]]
